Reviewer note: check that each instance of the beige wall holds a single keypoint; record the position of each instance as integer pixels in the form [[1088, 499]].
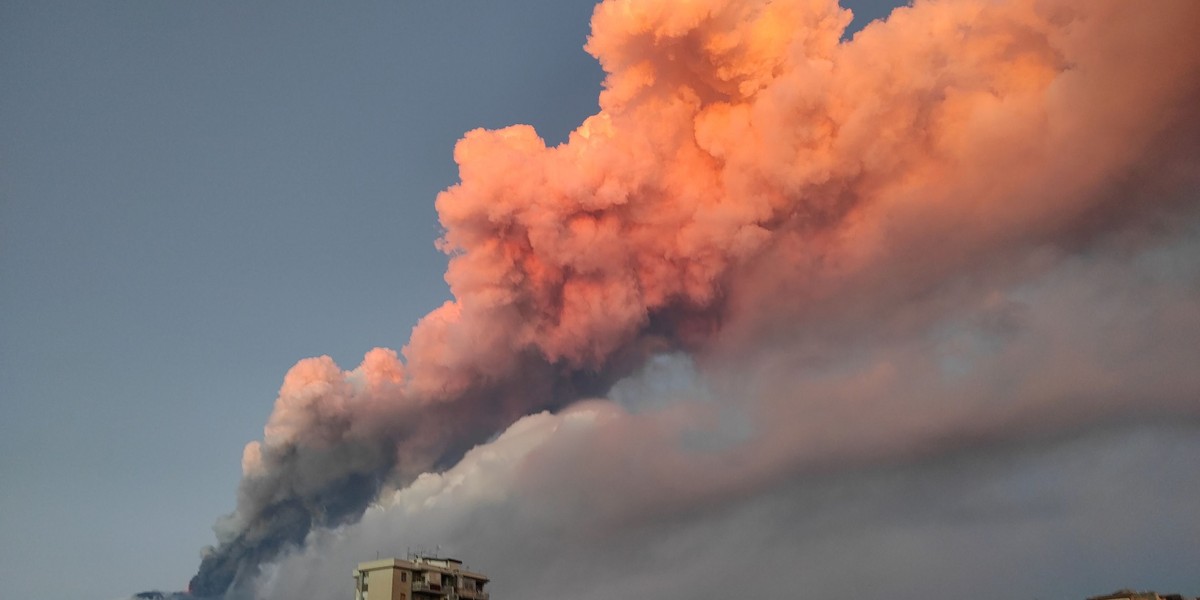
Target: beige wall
[[379, 585], [392, 579], [386, 584]]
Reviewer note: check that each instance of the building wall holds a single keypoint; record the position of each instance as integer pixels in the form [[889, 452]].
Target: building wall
[[392, 579], [380, 585], [385, 581], [402, 584]]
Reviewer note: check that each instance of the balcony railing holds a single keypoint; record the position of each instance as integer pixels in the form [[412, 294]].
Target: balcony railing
[[436, 588], [472, 594]]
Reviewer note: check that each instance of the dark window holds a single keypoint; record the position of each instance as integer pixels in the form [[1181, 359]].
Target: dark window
[[403, 575]]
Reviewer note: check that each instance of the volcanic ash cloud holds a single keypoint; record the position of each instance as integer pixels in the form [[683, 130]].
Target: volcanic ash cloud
[[752, 183]]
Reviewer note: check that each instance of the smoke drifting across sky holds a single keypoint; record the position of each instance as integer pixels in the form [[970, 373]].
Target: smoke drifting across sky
[[849, 305]]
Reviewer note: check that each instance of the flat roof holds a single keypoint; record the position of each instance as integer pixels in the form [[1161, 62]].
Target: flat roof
[[396, 563]]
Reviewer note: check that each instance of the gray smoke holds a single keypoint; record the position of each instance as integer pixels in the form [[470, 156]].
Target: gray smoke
[[332, 483], [748, 177]]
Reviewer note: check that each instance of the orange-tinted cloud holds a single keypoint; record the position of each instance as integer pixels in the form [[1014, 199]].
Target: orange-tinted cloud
[[747, 168]]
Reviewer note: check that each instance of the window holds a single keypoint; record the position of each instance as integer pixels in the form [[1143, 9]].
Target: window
[[403, 575]]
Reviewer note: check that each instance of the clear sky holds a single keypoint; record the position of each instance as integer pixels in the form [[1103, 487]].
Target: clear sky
[[195, 195]]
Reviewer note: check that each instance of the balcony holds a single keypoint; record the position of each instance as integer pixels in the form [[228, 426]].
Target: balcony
[[448, 591], [471, 594], [425, 586]]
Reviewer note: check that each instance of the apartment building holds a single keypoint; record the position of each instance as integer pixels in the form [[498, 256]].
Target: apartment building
[[418, 578], [1132, 595]]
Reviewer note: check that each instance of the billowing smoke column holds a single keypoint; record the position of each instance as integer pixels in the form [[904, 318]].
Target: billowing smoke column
[[740, 148]]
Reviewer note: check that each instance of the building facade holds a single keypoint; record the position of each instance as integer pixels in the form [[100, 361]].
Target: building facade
[[1132, 595], [418, 578]]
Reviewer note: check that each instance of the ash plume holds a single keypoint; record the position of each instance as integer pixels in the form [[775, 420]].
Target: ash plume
[[747, 168]]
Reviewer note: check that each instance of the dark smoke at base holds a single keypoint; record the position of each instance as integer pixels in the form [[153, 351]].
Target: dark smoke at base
[[285, 523], [291, 521]]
